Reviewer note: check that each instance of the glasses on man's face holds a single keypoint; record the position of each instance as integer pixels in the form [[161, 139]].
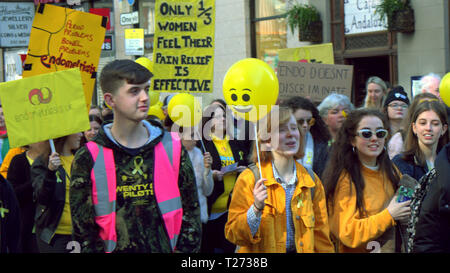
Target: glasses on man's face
[[309, 121], [397, 105], [367, 134]]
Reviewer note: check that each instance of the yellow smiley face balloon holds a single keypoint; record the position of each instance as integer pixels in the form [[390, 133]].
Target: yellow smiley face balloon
[[185, 110], [250, 88]]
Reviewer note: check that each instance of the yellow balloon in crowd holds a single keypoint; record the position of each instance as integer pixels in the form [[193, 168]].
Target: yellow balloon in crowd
[[250, 88], [444, 89], [185, 110], [145, 62], [156, 111], [153, 97]]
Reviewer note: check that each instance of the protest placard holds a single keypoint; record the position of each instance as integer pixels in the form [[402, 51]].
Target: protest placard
[[184, 46], [63, 38], [44, 107], [322, 53], [312, 80]]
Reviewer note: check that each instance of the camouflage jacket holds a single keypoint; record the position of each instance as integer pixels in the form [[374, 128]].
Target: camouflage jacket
[[139, 224]]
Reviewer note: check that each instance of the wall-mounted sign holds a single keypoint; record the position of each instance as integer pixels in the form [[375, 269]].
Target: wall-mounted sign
[[360, 17], [105, 12], [129, 18], [134, 41], [108, 43], [15, 24]]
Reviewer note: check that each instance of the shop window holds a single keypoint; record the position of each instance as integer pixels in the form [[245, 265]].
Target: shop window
[[147, 16], [269, 31]]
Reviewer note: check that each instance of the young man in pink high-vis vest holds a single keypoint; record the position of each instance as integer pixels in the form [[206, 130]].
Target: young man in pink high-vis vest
[[133, 187]]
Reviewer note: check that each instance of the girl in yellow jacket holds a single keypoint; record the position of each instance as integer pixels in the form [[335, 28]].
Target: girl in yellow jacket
[[360, 183], [278, 213]]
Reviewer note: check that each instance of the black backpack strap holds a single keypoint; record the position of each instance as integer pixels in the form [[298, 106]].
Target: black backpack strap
[[313, 189]]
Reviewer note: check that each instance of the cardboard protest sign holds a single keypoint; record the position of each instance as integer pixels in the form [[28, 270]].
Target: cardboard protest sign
[[312, 80], [44, 107], [184, 46], [63, 38], [322, 53]]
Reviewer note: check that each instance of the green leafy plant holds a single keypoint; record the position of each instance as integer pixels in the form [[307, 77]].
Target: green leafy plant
[[301, 15], [389, 7]]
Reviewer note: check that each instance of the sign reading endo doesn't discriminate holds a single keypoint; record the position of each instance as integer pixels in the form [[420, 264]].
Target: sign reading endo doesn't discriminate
[[312, 80], [183, 54]]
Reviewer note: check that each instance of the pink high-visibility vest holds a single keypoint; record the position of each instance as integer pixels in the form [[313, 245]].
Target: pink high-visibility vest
[[103, 175]]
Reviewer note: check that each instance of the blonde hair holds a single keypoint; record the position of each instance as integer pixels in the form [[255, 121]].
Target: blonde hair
[[265, 131]]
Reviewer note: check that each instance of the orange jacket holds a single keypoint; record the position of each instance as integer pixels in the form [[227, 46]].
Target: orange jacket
[[7, 160], [353, 231], [310, 219]]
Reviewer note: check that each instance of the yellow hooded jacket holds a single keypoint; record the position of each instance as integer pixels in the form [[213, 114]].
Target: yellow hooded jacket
[[310, 218]]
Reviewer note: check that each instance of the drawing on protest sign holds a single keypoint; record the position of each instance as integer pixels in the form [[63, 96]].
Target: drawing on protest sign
[[15, 24], [63, 38], [38, 108], [322, 53], [184, 46], [313, 80]]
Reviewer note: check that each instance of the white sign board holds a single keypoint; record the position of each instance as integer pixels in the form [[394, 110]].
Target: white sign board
[[129, 18], [15, 24], [134, 41], [360, 17], [13, 64]]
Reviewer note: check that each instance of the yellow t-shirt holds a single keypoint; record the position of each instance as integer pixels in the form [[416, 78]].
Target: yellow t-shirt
[[65, 224], [226, 158]]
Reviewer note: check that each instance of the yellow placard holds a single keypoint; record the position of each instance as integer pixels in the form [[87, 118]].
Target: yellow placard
[[322, 54], [44, 107], [134, 33], [63, 38], [184, 46]]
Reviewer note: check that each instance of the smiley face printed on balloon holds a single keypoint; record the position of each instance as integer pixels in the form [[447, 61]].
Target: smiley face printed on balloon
[[250, 88]]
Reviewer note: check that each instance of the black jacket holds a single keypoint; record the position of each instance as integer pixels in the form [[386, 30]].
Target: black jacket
[[433, 225], [320, 157], [409, 167], [50, 198], [19, 177], [9, 218], [240, 150]]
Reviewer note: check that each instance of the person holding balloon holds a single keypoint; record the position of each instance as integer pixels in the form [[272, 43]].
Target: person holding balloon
[[133, 187], [229, 158], [284, 210], [185, 121]]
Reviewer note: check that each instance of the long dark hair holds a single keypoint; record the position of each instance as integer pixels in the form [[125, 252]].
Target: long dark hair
[[319, 130], [412, 148], [344, 160]]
